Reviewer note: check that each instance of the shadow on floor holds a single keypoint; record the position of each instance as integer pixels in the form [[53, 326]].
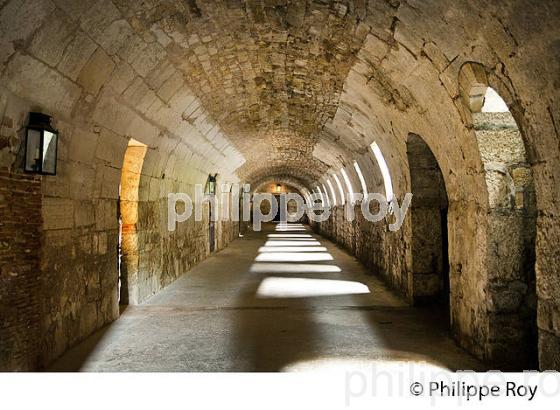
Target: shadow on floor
[[237, 311], [316, 332]]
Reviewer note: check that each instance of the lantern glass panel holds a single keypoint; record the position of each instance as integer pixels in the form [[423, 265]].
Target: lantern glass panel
[[49, 152], [33, 151]]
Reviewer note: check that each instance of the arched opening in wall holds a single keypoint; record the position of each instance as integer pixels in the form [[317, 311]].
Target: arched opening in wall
[[511, 288], [128, 221], [342, 196], [332, 192], [349, 187], [361, 178], [210, 190], [384, 168], [325, 194], [241, 223], [277, 191], [430, 264], [285, 208]]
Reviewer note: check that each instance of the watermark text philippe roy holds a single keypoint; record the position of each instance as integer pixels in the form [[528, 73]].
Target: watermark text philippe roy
[[237, 203]]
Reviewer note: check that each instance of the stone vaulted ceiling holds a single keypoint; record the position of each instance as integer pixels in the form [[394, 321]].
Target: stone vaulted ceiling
[[269, 72]]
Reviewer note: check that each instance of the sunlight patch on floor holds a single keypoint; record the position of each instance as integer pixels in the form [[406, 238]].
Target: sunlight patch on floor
[[292, 243], [293, 268], [275, 287], [413, 368], [292, 249], [290, 235], [294, 257], [290, 228]]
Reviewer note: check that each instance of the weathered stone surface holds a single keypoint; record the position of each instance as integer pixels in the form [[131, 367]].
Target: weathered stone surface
[[76, 55], [254, 91], [29, 78], [20, 305], [58, 213], [12, 29], [96, 72], [51, 40]]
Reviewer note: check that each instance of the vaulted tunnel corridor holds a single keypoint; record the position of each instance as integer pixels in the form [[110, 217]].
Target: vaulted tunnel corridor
[[277, 300], [114, 114]]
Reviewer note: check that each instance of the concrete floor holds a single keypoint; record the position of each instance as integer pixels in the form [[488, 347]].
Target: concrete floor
[[249, 308]]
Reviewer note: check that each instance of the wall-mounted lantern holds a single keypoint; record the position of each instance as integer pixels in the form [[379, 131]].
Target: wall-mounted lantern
[[212, 184], [278, 188], [41, 142]]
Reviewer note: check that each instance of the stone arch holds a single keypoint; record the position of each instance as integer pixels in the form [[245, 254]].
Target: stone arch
[[290, 181], [287, 184], [511, 217], [121, 68], [430, 265]]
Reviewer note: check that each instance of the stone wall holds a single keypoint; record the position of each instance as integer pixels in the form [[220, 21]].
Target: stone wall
[[256, 90], [21, 282], [72, 60], [492, 313], [164, 255], [512, 227], [372, 243], [78, 252], [409, 78]]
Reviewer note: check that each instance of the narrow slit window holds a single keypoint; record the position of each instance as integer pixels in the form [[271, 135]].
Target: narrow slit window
[[329, 183], [326, 193], [384, 171], [349, 186], [314, 192], [340, 189], [308, 197], [361, 177], [325, 199]]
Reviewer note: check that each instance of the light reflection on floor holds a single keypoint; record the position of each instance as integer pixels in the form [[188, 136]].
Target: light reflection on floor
[[409, 368], [274, 287], [273, 242], [292, 249], [290, 228], [294, 257], [299, 247], [289, 235], [232, 313], [293, 268]]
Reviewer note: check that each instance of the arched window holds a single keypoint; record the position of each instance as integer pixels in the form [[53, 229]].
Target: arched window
[[340, 189], [361, 178], [348, 186], [326, 193], [384, 171], [329, 183], [324, 196]]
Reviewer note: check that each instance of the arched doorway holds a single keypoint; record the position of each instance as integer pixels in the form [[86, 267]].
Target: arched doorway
[[128, 220], [430, 265], [210, 191], [278, 188], [511, 221]]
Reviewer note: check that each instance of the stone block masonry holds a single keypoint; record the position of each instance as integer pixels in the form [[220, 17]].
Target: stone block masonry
[[20, 275], [257, 90]]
